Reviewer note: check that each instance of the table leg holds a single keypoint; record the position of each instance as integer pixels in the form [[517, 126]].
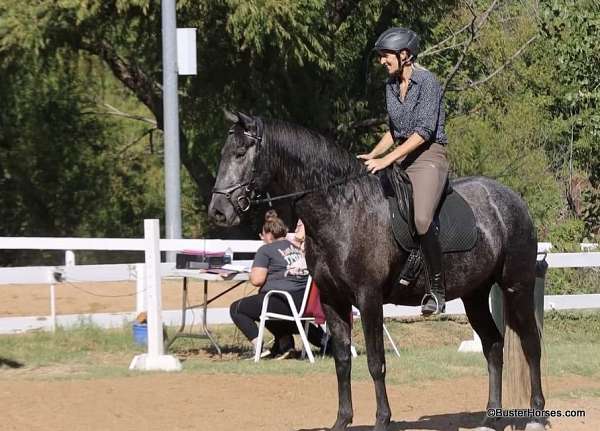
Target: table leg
[[204, 325], [169, 341]]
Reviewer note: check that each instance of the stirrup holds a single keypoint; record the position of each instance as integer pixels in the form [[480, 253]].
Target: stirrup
[[437, 305]]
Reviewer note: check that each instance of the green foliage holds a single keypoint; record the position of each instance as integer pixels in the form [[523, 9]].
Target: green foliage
[[571, 281], [522, 107], [567, 235], [63, 170], [428, 351], [571, 28]]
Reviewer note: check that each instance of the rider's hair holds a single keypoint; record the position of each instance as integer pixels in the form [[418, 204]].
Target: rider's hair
[[274, 225]]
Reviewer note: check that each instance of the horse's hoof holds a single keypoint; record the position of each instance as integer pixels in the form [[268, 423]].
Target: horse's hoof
[[341, 425], [535, 426]]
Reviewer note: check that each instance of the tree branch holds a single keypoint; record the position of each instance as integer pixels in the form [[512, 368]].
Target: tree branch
[[474, 27], [433, 49], [118, 113], [499, 69], [340, 10], [146, 89]]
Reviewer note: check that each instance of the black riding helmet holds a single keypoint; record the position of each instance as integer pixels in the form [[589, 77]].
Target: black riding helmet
[[396, 39]]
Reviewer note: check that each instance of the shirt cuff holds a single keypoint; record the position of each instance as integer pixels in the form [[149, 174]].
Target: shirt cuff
[[424, 133]]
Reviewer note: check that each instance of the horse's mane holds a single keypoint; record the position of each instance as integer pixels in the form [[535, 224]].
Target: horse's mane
[[315, 161]]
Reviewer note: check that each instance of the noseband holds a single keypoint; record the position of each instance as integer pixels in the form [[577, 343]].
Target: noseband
[[244, 201]]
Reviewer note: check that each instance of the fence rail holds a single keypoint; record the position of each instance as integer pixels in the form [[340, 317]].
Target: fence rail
[[138, 272]]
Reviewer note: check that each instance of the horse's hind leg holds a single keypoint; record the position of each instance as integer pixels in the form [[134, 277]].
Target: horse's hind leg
[[371, 314], [478, 312], [338, 323]]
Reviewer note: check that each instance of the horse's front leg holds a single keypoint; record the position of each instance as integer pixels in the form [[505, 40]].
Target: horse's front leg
[[371, 312], [338, 322]]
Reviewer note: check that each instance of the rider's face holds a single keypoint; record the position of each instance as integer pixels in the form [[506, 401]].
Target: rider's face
[[390, 61]]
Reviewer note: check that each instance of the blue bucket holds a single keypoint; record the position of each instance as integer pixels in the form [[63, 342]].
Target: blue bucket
[[140, 334]]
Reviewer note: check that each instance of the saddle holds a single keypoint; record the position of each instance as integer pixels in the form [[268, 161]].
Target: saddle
[[454, 217]]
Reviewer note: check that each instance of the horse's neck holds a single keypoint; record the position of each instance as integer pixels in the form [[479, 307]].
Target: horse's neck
[[295, 166]]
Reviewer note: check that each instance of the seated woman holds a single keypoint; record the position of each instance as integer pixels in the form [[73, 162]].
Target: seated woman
[[275, 267]]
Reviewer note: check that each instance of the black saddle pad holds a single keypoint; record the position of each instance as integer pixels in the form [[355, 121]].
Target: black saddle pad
[[454, 217]]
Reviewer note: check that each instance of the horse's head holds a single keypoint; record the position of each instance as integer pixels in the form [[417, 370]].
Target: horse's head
[[237, 178]]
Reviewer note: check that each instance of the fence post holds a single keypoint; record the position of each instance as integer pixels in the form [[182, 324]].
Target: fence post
[[69, 258], [155, 359], [52, 307]]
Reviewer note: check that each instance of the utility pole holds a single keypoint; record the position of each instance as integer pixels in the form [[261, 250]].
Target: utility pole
[[171, 124]]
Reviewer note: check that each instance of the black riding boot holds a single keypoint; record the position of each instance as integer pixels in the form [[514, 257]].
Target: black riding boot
[[434, 301]]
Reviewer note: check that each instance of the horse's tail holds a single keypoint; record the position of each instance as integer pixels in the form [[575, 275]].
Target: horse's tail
[[516, 376]]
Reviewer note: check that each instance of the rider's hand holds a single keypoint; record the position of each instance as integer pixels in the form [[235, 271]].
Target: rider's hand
[[368, 156], [375, 165]]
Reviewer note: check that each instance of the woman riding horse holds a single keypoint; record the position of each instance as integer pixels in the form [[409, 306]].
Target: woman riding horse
[[416, 120]]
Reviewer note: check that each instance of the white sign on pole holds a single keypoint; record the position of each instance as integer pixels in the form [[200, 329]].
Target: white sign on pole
[[186, 51]]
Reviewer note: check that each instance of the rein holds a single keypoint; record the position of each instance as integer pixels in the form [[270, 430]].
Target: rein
[[247, 197], [337, 182]]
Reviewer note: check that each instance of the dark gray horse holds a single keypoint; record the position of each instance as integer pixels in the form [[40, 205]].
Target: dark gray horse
[[354, 260]]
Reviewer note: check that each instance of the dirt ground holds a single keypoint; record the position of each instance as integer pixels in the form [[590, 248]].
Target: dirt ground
[[231, 402], [83, 298], [255, 403]]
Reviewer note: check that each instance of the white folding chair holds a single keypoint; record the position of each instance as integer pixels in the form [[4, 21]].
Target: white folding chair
[[356, 314], [297, 316]]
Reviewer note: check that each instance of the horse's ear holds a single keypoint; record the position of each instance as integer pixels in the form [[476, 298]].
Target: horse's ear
[[246, 121], [231, 116]]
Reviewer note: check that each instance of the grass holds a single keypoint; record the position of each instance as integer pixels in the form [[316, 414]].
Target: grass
[[428, 351]]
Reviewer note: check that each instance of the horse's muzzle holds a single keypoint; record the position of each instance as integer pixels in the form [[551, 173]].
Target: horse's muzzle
[[222, 212]]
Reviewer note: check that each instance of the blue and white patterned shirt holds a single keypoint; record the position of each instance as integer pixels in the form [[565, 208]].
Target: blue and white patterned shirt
[[422, 110]]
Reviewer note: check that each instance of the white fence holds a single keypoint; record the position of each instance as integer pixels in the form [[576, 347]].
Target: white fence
[[78, 273]]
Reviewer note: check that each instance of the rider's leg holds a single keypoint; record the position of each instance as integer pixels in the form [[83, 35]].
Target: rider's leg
[[428, 173], [435, 302]]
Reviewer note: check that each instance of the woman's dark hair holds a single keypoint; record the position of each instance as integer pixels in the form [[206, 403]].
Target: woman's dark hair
[[274, 225]]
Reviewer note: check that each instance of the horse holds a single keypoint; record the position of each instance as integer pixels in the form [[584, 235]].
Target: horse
[[353, 257]]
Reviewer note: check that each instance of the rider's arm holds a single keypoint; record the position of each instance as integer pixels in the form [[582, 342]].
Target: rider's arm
[[382, 146], [407, 147]]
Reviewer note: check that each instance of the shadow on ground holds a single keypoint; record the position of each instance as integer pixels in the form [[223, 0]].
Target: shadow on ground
[[9, 363], [445, 422]]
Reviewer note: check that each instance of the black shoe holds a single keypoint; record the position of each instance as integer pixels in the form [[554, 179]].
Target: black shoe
[[434, 301]]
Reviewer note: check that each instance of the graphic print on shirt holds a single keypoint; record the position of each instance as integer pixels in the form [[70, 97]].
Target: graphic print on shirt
[[296, 263]]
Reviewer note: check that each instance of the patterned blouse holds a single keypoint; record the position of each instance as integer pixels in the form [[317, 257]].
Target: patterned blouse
[[422, 110]]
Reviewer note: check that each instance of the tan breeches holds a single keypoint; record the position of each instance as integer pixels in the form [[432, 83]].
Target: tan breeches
[[427, 168]]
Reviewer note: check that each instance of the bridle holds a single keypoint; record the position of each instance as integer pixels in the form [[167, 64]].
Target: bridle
[[250, 196]]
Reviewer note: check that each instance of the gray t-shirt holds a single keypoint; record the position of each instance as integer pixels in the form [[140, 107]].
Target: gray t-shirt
[[281, 259]]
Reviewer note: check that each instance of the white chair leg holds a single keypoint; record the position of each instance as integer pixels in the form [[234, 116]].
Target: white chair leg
[[303, 354], [385, 329], [311, 358], [261, 332], [353, 351]]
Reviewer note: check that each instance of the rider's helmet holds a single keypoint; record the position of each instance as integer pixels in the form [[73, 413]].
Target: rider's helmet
[[396, 39]]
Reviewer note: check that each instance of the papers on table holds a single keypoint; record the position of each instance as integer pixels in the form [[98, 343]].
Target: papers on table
[[236, 267]]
